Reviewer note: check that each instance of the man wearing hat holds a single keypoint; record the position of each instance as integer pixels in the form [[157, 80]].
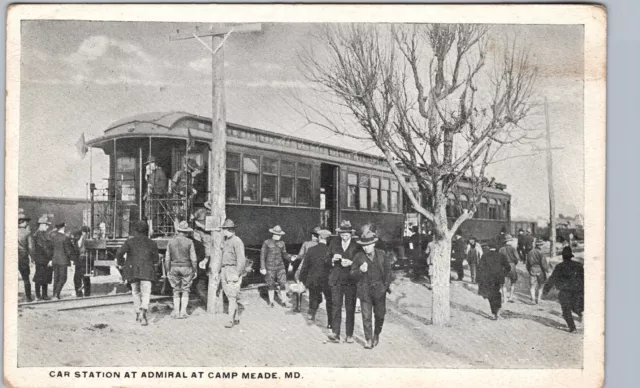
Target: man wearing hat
[[81, 281], [42, 255], [233, 265], [538, 268], [314, 274], [199, 188], [157, 180], [511, 254], [202, 244], [25, 250], [182, 178], [372, 270], [272, 258], [525, 243], [473, 253], [139, 268], [343, 288], [63, 251], [182, 267], [299, 288], [492, 270], [568, 278]]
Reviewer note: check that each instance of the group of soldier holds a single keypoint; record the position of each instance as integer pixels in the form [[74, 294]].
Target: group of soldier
[[51, 251]]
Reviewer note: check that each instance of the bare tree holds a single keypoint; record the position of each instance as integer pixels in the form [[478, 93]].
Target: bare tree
[[428, 99]]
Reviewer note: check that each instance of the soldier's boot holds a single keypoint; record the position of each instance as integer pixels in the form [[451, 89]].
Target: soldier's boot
[[296, 303], [284, 299], [176, 305], [270, 294], [183, 304], [143, 318]]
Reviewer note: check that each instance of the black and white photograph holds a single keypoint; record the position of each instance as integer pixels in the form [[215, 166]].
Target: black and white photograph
[[305, 194]]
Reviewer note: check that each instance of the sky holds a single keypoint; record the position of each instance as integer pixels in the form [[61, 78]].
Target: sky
[[78, 77]]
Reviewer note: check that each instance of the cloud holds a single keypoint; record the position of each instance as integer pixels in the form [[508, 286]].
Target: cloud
[[204, 65], [262, 83], [266, 66]]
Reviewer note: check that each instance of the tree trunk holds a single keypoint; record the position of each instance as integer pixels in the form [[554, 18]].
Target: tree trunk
[[441, 260]]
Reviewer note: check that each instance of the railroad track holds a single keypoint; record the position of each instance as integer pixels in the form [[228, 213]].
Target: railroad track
[[73, 303], [86, 302]]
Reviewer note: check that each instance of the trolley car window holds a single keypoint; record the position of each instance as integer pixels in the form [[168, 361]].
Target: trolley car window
[[352, 180], [493, 210], [269, 180], [287, 170], [483, 209], [250, 174], [363, 196], [233, 177], [394, 196], [384, 196], [303, 191], [375, 193]]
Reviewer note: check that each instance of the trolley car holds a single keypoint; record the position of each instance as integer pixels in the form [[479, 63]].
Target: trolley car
[[270, 179]]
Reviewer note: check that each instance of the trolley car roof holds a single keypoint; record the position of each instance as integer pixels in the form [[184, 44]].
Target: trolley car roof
[[181, 125]]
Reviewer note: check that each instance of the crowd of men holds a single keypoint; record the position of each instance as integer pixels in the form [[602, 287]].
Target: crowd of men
[[494, 269], [51, 251], [339, 271]]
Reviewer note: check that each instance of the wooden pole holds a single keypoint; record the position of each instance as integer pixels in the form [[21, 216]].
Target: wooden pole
[[552, 200], [217, 182]]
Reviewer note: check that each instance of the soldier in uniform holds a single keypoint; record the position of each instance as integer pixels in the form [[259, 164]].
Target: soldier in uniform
[[233, 263], [42, 255], [372, 269], [25, 250], [202, 244], [568, 278], [511, 254], [272, 265], [156, 190], [474, 253], [182, 266]]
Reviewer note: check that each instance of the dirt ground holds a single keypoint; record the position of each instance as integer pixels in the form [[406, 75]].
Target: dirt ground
[[529, 336]]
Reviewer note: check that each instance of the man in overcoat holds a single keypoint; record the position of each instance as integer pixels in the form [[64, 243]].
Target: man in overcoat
[[343, 288], [139, 268], [42, 255], [272, 258], [492, 270], [371, 268], [314, 274], [63, 252], [568, 278], [82, 282]]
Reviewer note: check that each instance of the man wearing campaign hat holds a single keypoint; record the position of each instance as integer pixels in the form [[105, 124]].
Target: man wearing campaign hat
[[272, 258], [343, 288], [568, 278], [182, 268], [157, 179], [511, 254], [372, 269], [25, 250], [233, 266], [538, 268], [314, 274], [42, 255]]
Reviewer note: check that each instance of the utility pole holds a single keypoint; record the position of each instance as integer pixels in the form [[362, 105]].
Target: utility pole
[[217, 155], [552, 198]]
